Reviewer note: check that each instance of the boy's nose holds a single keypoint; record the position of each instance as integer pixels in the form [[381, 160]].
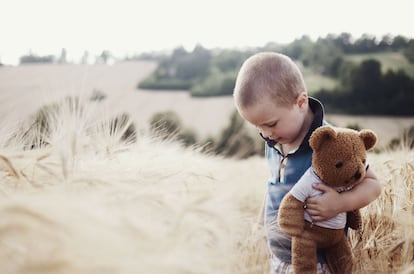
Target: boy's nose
[[266, 133]]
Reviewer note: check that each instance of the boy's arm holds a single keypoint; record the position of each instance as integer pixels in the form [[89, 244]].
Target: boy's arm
[[332, 203]]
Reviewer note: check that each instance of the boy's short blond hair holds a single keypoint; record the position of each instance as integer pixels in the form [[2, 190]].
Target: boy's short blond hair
[[268, 74]]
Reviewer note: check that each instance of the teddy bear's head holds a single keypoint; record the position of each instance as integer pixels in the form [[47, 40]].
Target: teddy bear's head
[[339, 154]]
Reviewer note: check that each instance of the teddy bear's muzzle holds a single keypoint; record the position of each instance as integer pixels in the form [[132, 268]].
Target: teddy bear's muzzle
[[357, 175], [355, 178]]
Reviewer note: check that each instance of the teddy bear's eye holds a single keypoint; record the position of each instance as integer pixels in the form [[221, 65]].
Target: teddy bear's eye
[[364, 161], [339, 165]]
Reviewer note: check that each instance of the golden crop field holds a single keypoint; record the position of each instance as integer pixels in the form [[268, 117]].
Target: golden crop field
[[91, 202]]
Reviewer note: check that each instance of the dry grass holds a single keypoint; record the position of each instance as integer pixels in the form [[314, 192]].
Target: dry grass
[[387, 245], [89, 203]]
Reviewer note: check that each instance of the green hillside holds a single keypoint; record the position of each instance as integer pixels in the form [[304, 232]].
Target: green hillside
[[395, 61], [389, 60], [315, 81]]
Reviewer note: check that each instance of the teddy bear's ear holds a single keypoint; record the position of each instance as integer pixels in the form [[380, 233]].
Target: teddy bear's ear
[[321, 135], [368, 137]]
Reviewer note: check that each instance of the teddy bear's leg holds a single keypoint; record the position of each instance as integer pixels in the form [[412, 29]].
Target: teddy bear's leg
[[304, 258], [339, 257]]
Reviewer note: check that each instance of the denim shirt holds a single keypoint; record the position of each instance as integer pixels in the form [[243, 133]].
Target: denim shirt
[[285, 171]]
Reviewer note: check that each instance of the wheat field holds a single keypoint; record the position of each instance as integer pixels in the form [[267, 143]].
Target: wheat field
[[91, 202]]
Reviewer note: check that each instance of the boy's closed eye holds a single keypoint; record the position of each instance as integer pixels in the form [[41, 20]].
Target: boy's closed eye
[[271, 124]]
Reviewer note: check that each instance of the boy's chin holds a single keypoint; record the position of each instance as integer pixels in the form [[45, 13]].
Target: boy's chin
[[282, 141]]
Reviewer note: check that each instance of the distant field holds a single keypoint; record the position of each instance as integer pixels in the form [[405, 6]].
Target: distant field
[[389, 60], [24, 89]]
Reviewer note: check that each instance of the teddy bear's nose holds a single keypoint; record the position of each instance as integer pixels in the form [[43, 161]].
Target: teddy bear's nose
[[357, 175]]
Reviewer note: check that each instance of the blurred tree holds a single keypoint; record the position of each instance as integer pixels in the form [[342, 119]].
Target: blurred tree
[[366, 43], [97, 95], [397, 94], [217, 83], [409, 51], [296, 49], [104, 57], [62, 58], [235, 140], [367, 78], [345, 74], [180, 71], [366, 91], [194, 65], [178, 53], [342, 41], [85, 58], [385, 43], [399, 42], [167, 125], [32, 58], [323, 56], [229, 60]]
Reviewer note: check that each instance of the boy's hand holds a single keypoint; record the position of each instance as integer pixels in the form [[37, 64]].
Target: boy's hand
[[323, 207]]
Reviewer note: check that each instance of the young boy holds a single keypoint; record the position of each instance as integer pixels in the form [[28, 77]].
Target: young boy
[[270, 94]]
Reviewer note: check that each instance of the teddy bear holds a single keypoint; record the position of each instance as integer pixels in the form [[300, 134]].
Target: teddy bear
[[339, 161]]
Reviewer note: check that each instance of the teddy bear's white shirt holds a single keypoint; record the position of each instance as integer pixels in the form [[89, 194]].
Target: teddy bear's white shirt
[[303, 189]]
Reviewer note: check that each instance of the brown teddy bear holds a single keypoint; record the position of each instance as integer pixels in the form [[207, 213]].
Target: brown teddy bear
[[338, 160]]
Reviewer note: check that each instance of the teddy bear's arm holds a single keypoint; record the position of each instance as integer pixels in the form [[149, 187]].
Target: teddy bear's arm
[[291, 215]]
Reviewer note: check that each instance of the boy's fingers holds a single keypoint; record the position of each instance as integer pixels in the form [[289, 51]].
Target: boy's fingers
[[309, 204], [316, 218], [312, 202], [312, 212]]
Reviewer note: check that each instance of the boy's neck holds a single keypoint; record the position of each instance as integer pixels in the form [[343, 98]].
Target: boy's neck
[[286, 148]]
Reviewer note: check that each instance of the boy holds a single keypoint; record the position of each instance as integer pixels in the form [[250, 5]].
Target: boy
[[270, 94]]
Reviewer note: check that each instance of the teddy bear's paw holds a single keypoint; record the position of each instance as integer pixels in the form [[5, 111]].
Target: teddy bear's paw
[[354, 220]]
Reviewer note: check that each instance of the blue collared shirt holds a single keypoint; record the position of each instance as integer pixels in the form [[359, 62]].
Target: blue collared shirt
[[285, 171]]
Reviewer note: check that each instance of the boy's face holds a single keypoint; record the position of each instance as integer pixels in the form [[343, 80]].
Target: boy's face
[[279, 123]]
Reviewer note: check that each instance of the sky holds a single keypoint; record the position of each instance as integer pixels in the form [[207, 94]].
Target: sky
[[128, 27]]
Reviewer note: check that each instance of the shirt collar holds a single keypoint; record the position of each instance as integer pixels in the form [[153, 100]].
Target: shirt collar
[[318, 115]]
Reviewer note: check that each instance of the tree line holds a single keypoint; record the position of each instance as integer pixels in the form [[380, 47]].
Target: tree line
[[31, 58], [365, 90], [362, 88]]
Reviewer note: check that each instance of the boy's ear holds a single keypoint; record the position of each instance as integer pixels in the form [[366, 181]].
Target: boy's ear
[[320, 136], [368, 137], [302, 99]]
